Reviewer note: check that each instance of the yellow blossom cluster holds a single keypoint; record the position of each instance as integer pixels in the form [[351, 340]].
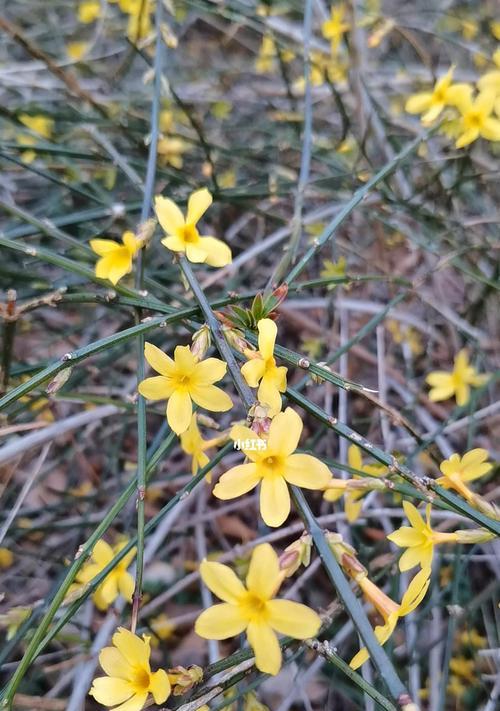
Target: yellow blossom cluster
[[474, 112]]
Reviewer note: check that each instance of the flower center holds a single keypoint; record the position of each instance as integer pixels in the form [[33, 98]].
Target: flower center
[[474, 119], [253, 607], [190, 234], [140, 679], [183, 380]]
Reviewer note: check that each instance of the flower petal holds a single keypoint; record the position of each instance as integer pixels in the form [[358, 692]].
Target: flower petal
[[269, 395], [237, 481], [168, 214], [102, 247], [110, 690], [264, 575], [220, 622], [418, 103], [198, 204], [179, 411], [135, 650], [158, 360], [267, 337], [157, 388], [209, 371], [114, 663], [293, 619], [218, 253], [307, 471], [467, 137], [174, 243], [406, 537], [136, 703], [159, 686], [412, 557], [102, 553], [196, 253], [284, 432], [185, 362], [126, 586], [416, 592], [253, 370], [211, 398], [274, 500], [266, 648], [222, 581], [242, 433], [413, 515], [107, 591]]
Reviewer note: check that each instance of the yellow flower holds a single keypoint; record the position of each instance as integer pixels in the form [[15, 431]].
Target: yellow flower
[[336, 27], [490, 82], [88, 11], [139, 22], [182, 234], [352, 498], [470, 28], [263, 369], [472, 638], [254, 609], [38, 124], [433, 102], [193, 443], [495, 29], [129, 679], [266, 59], [162, 626], [273, 464], [419, 539], [476, 120], [391, 611], [13, 619], [457, 383], [76, 50], [115, 258], [458, 470], [252, 703], [6, 558], [465, 668], [183, 380], [117, 582], [170, 151]]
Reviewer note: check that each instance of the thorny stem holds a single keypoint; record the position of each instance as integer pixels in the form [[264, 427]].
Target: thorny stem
[[356, 199], [139, 282]]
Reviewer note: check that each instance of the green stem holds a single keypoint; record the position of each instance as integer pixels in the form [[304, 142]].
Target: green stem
[[222, 345], [394, 685], [356, 199], [324, 649]]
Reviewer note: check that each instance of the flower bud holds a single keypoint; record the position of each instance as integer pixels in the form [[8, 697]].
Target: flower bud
[[475, 535], [484, 506], [146, 230], [367, 484], [340, 548], [183, 679], [261, 422], [236, 341], [317, 378], [296, 554], [201, 342], [56, 384]]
